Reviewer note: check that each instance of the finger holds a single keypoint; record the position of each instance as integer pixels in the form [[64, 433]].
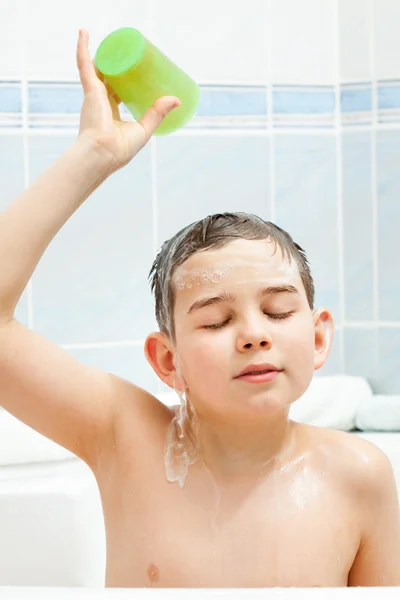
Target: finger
[[116, 98], [98, 73], [114, 109], [87, 71], [157, 113], [109, 89], [111, 93]]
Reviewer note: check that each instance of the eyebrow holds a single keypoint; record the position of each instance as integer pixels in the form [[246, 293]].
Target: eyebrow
[[228, 297]]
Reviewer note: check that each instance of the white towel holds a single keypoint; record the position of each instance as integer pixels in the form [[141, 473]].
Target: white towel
[[332, 401], [379, 413]]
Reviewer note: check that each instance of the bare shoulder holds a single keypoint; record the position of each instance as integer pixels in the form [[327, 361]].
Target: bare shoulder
[[362, 478], [359, 463]]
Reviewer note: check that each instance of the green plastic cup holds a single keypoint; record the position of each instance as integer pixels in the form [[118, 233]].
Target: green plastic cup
[[139, 74]]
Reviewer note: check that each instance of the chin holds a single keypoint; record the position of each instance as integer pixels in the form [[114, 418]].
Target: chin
[[264, 403]]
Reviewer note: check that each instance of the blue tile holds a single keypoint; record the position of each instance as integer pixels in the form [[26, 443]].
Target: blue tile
[[238, 100], [202, 175], [389, 354], [357, 225], [355, 99], [91, 284], [232, 101], [214, 100], [303, 101], [128, 362], [388, 174], [306, 206], [361, 356], [55, 98], [388, 96], [10, 98]]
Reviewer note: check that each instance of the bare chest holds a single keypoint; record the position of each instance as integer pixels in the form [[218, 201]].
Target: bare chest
[[285, 534]]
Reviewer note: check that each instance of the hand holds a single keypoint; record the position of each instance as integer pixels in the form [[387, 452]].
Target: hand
[[115, 140]]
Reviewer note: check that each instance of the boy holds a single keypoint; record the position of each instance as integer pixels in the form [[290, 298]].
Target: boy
[[225, 491]]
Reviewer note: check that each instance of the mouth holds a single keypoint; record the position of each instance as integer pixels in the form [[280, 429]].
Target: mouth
[[259, 373]]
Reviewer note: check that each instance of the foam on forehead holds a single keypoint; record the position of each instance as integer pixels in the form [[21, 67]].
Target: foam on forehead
[[194, 277], [237, 271]]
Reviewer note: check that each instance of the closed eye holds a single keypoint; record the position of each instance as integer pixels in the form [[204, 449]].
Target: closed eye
[[217, 325], [273, 316], [279, 316]]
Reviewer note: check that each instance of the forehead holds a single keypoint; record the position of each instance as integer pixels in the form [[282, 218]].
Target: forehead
[[240, 261]]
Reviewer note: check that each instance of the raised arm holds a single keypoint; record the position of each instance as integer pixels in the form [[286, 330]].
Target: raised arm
[[40, 384]]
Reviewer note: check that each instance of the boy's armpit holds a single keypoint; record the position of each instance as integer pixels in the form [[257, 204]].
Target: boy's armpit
[[377, 562]]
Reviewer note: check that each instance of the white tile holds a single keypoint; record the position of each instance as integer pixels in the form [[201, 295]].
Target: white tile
[[362, 353], [220, 41], [303, 38], [387, 39], [11, 40], [306, 207], [357, 199], [388, 184], [91, 284], [355, 39], [52, 31], [203, 175]]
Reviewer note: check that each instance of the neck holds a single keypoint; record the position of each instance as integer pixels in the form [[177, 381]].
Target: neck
[[245, 448]]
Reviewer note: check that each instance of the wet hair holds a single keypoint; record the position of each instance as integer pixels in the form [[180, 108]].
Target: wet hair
[[213, 232]]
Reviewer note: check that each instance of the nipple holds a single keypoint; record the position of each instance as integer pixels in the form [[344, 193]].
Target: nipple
[[153, 573]]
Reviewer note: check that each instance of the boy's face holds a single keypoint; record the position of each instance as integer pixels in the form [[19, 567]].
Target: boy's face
[[245, 305]]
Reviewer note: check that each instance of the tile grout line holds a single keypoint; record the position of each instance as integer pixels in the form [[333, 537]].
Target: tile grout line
[[225, 131], [374, 184], [25, 129], [339, 190], [270, 117], [203, 131], [25, 141], [374, 324], [374, 90], [154, 194]]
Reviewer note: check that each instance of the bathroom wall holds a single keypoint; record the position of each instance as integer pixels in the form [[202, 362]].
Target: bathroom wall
[[298, 122]]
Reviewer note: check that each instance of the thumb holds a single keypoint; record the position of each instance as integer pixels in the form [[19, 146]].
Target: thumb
[[157, 113]]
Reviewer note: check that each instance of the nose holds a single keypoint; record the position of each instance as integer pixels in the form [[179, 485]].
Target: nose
[[254, 335]]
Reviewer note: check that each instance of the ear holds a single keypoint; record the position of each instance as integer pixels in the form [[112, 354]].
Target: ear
[[160, 353], [324, 330]]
